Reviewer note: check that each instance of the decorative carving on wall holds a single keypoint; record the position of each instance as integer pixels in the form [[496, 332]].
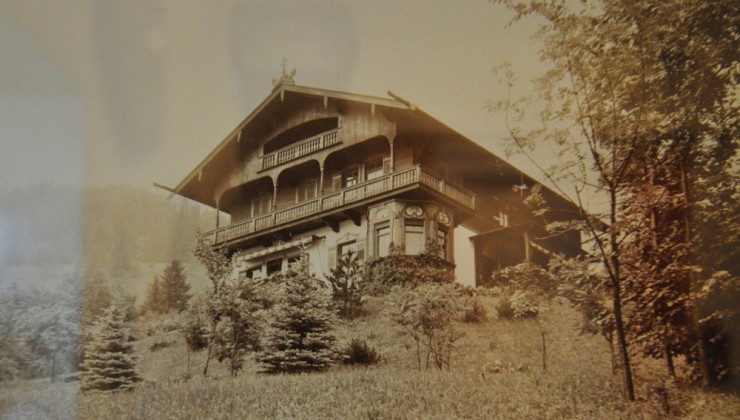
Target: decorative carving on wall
[[443, 218], [383, 214], [414, 212]]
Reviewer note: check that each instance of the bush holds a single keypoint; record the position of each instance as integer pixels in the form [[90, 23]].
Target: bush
[[427, 313], [358, 352], [159, 345], [475, 312], [524, 305], [398, 269], [504, 309]]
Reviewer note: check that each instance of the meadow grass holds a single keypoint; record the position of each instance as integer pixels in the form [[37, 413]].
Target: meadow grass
[[496, 373]]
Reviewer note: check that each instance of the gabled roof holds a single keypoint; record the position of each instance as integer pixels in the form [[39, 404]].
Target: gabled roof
[[405, 113], [280, 91]]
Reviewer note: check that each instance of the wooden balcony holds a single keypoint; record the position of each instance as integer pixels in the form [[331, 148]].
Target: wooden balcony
[[300, 149], [398, 181]]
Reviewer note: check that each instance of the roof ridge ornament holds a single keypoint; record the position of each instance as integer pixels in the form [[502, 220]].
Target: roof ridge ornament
[[285, 78]]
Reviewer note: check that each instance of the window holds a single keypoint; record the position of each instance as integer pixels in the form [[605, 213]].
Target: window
[[274, 266], [414, 237], [254, 272], [261, 205], [350, 177], [382, 241], [306, 191], [346, 248], [373, 169], [295, 259], [442, 243]]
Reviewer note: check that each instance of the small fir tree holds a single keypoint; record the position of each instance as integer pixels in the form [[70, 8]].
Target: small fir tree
[[299, 337], [108, 363], [346, 283], [155, 297], [176, 289]]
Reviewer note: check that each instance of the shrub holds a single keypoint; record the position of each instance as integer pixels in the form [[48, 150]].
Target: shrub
[[159, 345], [427, 314], [475, 312], [358, 352], [504, 309], [400, 269]]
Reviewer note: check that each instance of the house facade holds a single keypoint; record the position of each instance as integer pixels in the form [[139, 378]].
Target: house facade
[[324, 173]]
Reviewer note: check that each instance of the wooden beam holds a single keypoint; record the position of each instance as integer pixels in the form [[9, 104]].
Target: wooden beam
[[331, 222], [355, 216]]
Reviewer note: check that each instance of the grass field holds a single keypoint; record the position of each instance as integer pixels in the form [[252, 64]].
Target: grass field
[[496, 373]]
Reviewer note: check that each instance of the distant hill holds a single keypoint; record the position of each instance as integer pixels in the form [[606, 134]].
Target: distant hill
[[47, 232]]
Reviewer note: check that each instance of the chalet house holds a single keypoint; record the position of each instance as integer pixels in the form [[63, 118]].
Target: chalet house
[[327, 173]]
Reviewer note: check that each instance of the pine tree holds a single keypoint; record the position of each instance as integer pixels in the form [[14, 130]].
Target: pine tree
[[155, 300], [108, 363], [176, 289], [300, 336]]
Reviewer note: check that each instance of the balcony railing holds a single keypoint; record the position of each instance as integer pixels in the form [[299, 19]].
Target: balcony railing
[[368, 189], [300, 149]]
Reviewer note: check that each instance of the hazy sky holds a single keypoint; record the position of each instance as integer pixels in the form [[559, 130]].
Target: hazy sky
[[104, 92]]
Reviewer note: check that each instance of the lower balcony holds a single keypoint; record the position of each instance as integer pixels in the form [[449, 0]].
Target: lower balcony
[[337, 201]]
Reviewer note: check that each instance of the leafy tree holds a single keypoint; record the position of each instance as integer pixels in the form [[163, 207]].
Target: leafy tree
[[427, 313], [630, 84], [237, 306], [299, 337], [346, 281], [218, 265], [194, 325], [108, 363]]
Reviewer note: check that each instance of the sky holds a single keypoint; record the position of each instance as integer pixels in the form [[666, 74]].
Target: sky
[[129, 93]]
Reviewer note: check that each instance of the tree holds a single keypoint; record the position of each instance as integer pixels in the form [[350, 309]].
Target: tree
[[346, 281], [632, 83], [219, 265], [237, 306], [528, 289], [299, 337], [108, 363], [96, 297], [176, 288], [155, 298], [194, 325], [427, 313]]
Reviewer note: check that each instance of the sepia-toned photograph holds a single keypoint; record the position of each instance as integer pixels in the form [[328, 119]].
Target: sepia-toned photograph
[[347, 209]]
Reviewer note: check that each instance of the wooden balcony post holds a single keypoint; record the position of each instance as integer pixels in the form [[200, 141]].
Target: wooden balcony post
[[321, 179], [393, 159]]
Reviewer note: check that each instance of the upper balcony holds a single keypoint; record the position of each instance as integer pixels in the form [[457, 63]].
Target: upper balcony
[[300, 149], [343, 200]]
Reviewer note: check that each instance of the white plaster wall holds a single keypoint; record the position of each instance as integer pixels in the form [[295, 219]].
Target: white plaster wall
[[464, 256], [318, 250]]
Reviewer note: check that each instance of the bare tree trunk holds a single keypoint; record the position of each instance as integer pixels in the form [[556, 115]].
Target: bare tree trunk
[[669, 362], [208, 358], [617, 299], [542, 344]]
